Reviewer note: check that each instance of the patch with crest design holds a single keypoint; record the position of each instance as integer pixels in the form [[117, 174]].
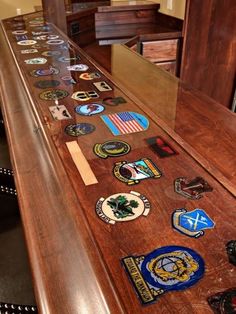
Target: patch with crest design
[[111, 149], [165, 269]]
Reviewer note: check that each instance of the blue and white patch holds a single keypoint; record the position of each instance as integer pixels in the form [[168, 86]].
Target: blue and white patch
[[125, 122], [192, 223], [164, 269], [89, 109]]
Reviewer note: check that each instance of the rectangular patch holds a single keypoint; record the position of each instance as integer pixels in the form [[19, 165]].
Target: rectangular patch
[[161, 147], [125, 122], [102, 86], [60, 112]]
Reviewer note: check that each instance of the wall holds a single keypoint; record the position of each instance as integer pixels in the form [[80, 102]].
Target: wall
[[8, 7], [178, 8]]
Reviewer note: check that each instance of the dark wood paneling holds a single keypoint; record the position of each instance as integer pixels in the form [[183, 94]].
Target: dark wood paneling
[[162, 50], [54, 11], [209, 55], [169, 21], [125, 17]]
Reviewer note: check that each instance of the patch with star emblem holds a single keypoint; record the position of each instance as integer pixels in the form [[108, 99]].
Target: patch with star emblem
[[192, 189], [109, 101], [165, 269], [36, 61], [89, 76], [133, 172], [111, 149], [79, 129], [51, 53], [223, 302], [44, 72], [55, 94], [191, 223], [122, 207], [231, 251], [46, 84], [89, 109]]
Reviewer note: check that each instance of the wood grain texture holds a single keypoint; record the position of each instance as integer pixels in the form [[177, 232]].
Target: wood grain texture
[[81, 163], [188, 116], [75, 256], [209, 55], [54, 11], [158, 51]]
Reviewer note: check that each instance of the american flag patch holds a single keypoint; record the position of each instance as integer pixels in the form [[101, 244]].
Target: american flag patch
[[125, 122]]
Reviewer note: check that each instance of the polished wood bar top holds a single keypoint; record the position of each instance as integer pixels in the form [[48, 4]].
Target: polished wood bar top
[[75, 256], [199, 121]]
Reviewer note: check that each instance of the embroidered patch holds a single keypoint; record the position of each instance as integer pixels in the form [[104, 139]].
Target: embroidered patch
[[46, 84], [111, 149], [77, 67], [51, 53], [165, 269], [26, 42], [133, 172], [192, 189], [68, 80], [79, 129], [102, 86], [231, 251], [59, 112], [122, 207], [223, 302], [19, 32], [161, 147], [68, 59], [36, 61], [84, 96], [89, 76], [56, 94], [89, 109], [44, 72], [125, 122], [192, 223], [55, 42], [109, 101], [26, 51]]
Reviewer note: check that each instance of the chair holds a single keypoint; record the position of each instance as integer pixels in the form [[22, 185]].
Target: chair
[[9, 308]]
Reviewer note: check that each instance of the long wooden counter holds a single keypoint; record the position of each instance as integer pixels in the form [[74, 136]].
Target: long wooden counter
[[75, 256]]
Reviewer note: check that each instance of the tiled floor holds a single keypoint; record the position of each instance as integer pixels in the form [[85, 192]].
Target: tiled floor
[[15, 277]]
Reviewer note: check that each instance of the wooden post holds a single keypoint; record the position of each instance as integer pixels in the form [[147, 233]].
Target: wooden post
[[54, 12]]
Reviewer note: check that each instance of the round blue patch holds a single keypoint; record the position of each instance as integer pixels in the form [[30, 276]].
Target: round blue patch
[[172, 268], [89, 109]]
